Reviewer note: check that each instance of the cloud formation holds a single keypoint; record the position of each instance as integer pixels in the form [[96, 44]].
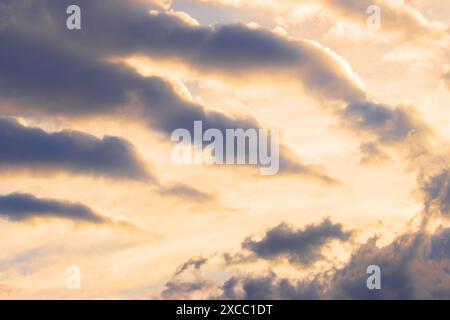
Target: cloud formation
[[436, 193], [236, 50], [396, 17], [184, 191], [41, 76], [195, 263], [387, 124], [184, 290], [414, 266], [299, 246], [30, 148], [49, 72], [21, 206], [231, 49], [268, 287]]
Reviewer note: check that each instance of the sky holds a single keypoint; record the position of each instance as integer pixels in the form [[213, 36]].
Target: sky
[[90, 193]]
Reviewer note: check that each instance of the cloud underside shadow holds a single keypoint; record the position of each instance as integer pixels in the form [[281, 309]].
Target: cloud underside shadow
[[22, 207]]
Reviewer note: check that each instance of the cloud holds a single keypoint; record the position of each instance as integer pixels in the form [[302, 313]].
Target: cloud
[[413, 266], [394, 261], [235, 49], [436, 193], [21, 207], [299, 246], [195, 263], [268, 287], [440, 245], [185, 191], [30, 148], [387, 124], [45, 74], [183, 290], [396, 17]]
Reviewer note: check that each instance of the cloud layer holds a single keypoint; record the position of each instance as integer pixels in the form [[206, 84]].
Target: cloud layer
[[21, 206], [71, 151], [302, 246], [40, 76]]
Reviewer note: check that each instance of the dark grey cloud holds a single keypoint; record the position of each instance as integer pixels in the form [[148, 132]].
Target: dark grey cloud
[[396, 262], [387, 124], [38, 82], [183, 290], [436, 193], [40, 76], [299, 246], [446, 79], [30, 148], [413, 266], [195, 263], [235, 49], [123, 28], [20, 207], [440, 245]]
